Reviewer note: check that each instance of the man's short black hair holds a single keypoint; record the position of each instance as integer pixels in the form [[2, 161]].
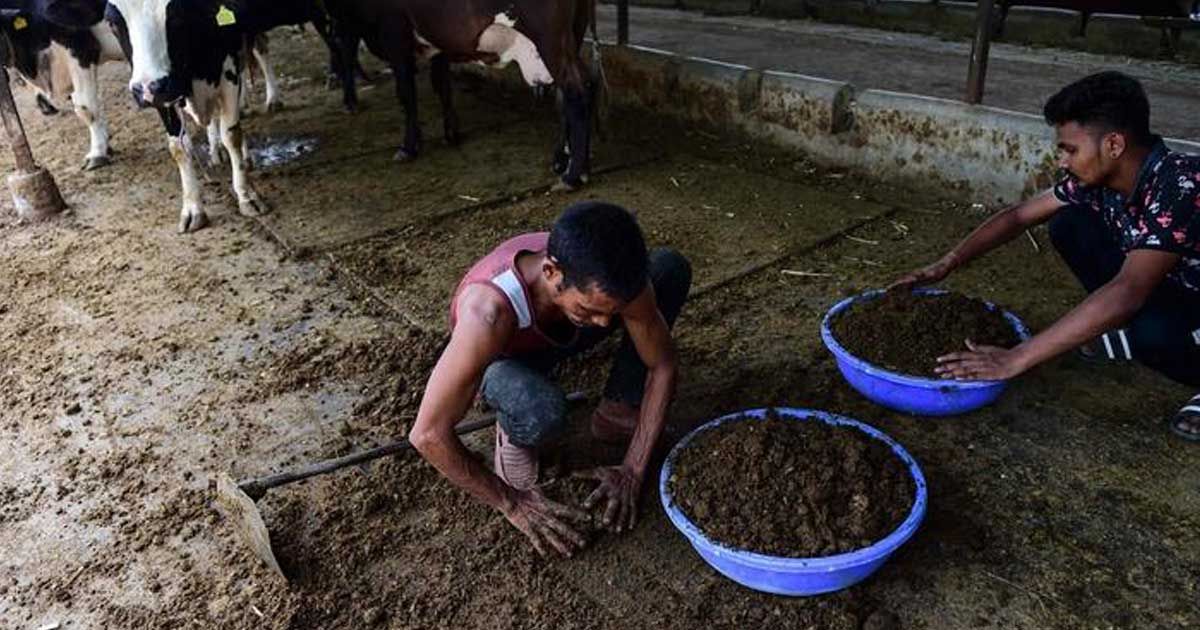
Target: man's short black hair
[[599, 245], [1107, 101]]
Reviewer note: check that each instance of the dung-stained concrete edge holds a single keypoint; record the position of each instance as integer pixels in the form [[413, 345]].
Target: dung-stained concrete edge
[[990, 154]]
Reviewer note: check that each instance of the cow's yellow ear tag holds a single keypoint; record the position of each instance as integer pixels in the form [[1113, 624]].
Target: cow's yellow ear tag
[[19, 23], [225, 17]]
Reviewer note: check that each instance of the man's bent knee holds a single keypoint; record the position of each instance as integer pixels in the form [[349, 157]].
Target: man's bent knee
[[532, 421], [1068, 228], [671, 275], [670, 266], [529, 406]]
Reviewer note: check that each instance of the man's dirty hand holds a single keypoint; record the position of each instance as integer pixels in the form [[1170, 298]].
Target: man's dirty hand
[[928, 274], [618, 492], [542, 521], [981, 363]]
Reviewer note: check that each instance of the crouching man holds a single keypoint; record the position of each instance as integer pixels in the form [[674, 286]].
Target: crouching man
[[1126, 220], [533, 301]]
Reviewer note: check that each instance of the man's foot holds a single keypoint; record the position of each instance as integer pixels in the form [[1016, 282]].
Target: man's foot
[[1112, 346], [614, 422], [1186, 423], [516, 465]]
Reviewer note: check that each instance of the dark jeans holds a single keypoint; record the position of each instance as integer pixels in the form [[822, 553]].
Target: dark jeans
[[1165, 334], [531, 407]]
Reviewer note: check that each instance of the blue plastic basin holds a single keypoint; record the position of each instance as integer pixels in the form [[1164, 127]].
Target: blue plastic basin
[[912, 394], [795, 576]]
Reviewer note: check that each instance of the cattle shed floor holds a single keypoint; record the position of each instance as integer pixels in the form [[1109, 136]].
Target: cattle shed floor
[[136, 364]]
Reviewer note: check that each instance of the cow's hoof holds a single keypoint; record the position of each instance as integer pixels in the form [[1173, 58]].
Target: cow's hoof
[[404, 155], [253, 207], [274, 107], [192, 222], [46, 107], [568, 184], [93, 163], [563, 185]]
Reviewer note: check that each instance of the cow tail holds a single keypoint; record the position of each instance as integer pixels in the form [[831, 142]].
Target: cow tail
[[600, 104], [249, 61]]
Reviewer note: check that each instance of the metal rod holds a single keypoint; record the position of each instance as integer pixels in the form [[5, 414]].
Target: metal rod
[[12, 126], [979, 51], [256, 488]]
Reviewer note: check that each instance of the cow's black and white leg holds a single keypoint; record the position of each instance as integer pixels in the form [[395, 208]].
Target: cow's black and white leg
[[577, 108], [229, 118], [439, 74], [213, 129], [85, 98], [262, 55], [191, 216], [406, 91]]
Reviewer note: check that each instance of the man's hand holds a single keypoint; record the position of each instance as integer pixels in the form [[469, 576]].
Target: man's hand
[[929, 274], [540, 519], [619, 489], [982, 363]]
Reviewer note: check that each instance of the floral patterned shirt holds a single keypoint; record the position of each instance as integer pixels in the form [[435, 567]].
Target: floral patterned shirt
[[1163, 213]]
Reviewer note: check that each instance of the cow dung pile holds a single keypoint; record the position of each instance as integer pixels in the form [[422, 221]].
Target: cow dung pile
[[906, 332], [791, 488]]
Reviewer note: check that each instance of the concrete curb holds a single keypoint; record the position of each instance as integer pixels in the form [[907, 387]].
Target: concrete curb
[[995, 155], [992, 155]]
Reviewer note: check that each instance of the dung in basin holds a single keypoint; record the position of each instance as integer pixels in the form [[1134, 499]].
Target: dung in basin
[[921, 393], [771, 499]]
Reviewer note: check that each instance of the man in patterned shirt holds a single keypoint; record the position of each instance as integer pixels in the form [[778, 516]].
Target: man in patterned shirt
[[1126, 219]]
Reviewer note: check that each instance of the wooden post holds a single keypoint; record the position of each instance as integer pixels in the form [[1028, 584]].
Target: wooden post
[[622, 22], [979, 52], [35, 194], [12, 126]]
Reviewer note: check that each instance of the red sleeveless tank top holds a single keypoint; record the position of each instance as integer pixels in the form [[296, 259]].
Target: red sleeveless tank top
[[498, 271]]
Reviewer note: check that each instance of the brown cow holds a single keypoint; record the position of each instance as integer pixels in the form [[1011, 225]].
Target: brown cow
[[544, 38]]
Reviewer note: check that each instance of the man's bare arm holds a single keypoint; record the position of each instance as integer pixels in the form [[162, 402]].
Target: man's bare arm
[[620, 485], [484, 326], [1106, 308], [995, 231], [656, 348]]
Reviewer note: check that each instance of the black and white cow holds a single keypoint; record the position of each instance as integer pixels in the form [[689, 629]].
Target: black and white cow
[[38, 49], [47, 56], [188, 56], [543, 37]]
